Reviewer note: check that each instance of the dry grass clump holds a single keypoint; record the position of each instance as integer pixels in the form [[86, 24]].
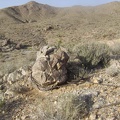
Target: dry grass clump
[[114, 69], [72, 107], [116, 48], [12, 61], [2, 101], [67, 107], [92, 54]]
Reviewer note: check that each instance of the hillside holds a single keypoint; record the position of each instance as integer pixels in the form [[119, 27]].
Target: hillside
[[23, 23], [30, 12], [89, 65]]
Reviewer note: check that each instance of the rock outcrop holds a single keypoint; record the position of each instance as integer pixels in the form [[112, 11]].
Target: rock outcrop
[[49, 69], [17, 82]]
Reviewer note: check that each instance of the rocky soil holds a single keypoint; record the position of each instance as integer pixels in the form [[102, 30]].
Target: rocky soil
[[100, 92], [106, 102]]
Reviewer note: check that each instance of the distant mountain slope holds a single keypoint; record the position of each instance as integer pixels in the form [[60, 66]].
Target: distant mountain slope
[[29, 12], [110, 9], [33, 11]]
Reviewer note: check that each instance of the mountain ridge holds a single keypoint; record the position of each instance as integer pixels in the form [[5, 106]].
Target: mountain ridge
[[33, 21], [33, 11]]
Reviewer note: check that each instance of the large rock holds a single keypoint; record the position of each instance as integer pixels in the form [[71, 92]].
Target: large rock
[[17, 81], [17, 75], [50, 67]]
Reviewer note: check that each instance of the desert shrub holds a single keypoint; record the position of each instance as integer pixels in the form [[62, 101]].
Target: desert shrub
[[47, 111], [2, 102], [59, 43], [69, 106], [77, 71], [115, 48], [92, 54], [72, 107], [114, 69]]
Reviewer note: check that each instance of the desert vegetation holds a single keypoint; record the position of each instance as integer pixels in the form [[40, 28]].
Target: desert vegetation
[[91, 38], [70, 106], [92, 54]]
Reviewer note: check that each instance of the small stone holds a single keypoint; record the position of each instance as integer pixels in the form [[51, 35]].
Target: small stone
[[5, 77], [91, 92], [92, 117], [3, 112], [99, 103], [98, 80], [100, 119], [55, 102]]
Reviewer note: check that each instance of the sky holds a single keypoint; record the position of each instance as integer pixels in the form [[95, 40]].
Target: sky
[[56, 3]]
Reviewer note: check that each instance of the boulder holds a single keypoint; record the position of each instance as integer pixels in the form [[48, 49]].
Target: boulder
[[50, 67], [18, 81], [17, 75]]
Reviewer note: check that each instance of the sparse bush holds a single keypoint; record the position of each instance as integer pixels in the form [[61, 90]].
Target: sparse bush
[[69, 106], [72, 107], [115, 48], [47, 111], [92, 54], [114, 69], [2, 102], [59, 44]]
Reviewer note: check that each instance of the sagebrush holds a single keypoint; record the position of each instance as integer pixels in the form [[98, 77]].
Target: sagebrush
[[69, 106], [92, 54]]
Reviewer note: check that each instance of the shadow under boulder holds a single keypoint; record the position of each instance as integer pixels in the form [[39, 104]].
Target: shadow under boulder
[[76, 72]]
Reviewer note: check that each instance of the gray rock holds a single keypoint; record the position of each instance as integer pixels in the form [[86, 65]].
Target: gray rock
[[99, 103], [17, 82], [16, 76], [92, 117], [90, 92], [50, 66], [5, 77], [97, 80]]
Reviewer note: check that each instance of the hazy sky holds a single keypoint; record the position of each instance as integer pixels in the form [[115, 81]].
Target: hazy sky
[[57, 3]]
